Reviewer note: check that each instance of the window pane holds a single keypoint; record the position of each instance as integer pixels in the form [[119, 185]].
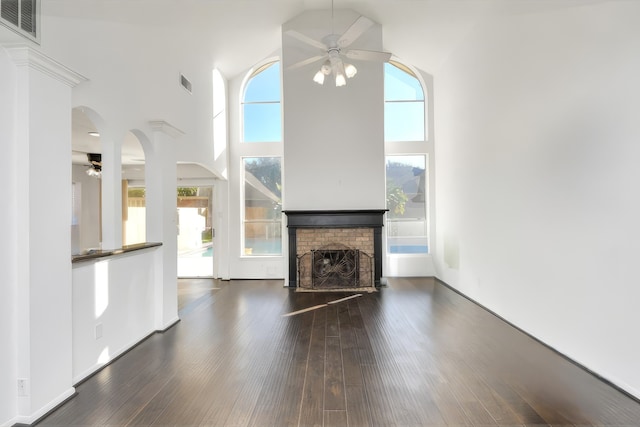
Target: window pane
[[404, 105], [264, 86], [401, 86], [262, 206], [404, 121], [406, 201], [262, 123]]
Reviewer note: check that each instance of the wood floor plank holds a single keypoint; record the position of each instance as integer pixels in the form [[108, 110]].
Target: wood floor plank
[[312, 399], [351, 361], [334, 394], [358, 411], [335, 419]]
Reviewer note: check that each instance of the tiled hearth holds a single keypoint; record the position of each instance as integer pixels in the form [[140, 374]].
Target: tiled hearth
[[346, 246]]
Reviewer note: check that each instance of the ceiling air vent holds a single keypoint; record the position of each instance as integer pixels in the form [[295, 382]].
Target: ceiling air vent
[[20, 16], [185, 83]]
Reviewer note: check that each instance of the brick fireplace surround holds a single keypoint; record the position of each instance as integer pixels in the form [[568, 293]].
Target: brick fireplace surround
[[360, 229]]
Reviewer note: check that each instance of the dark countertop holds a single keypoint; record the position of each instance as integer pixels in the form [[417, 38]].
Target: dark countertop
[[95, 253]]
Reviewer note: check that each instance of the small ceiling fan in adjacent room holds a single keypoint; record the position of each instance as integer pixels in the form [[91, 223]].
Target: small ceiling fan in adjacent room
[[333, 50], [94, 162]]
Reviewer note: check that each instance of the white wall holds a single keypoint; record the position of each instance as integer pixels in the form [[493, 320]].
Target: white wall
[[8, 232], [333, 136], [537, 142], [113, 308], [134, 71], [37, 265], [42, 283]]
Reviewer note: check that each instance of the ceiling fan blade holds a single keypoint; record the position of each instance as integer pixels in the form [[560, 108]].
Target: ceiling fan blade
[[367, 55], [356, 29], [306, 39], [306, 62]]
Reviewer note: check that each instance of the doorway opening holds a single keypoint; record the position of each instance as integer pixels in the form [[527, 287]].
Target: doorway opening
[[195, 231]]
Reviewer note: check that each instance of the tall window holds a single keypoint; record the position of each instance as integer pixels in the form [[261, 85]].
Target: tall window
[[262, 116], [261, 162], [262, 206], [406, 151]]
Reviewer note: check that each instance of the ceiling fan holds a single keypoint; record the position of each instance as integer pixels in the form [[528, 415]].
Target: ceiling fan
[[333, 48], [94, 161]]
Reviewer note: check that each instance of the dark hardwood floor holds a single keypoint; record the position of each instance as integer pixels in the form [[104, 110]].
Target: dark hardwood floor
[[413, 354]]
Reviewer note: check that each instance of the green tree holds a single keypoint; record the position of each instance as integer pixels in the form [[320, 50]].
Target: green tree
[[396, 199], [187, 191]]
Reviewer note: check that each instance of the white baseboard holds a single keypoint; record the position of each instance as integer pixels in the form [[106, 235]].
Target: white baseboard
[[169, 324], [30, 419], [95, 368]]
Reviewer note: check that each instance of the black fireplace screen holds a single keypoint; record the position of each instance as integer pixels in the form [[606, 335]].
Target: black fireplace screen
[[335, 269]]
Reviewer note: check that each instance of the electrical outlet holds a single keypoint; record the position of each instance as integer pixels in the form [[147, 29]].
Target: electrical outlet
[[99, 331], [23, 387]]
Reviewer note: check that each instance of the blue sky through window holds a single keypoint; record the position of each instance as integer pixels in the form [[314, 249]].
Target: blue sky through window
[[404, 106], [264, 86], [261, 107], [401, 86]]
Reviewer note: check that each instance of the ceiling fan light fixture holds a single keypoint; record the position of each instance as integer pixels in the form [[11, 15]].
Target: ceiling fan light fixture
[[93, 172], [350, 70], [319, 77], [336, 47], [326, 68], [95, 165]]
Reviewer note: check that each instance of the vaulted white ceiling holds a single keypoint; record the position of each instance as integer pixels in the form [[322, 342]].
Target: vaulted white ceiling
[[237, 32], [138, 40]]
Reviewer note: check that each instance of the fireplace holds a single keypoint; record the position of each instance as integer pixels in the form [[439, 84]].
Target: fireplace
[[335, 249]]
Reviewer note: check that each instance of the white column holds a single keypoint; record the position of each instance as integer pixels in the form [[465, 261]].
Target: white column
[[221, 240], [42, 146], [161, 176]]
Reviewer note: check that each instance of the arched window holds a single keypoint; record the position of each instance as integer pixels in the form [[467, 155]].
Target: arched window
[[262, 115], [404, 110], [407, 161]]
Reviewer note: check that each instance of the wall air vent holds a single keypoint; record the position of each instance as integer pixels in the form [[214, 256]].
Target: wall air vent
[[185, 83], [21, 16]]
